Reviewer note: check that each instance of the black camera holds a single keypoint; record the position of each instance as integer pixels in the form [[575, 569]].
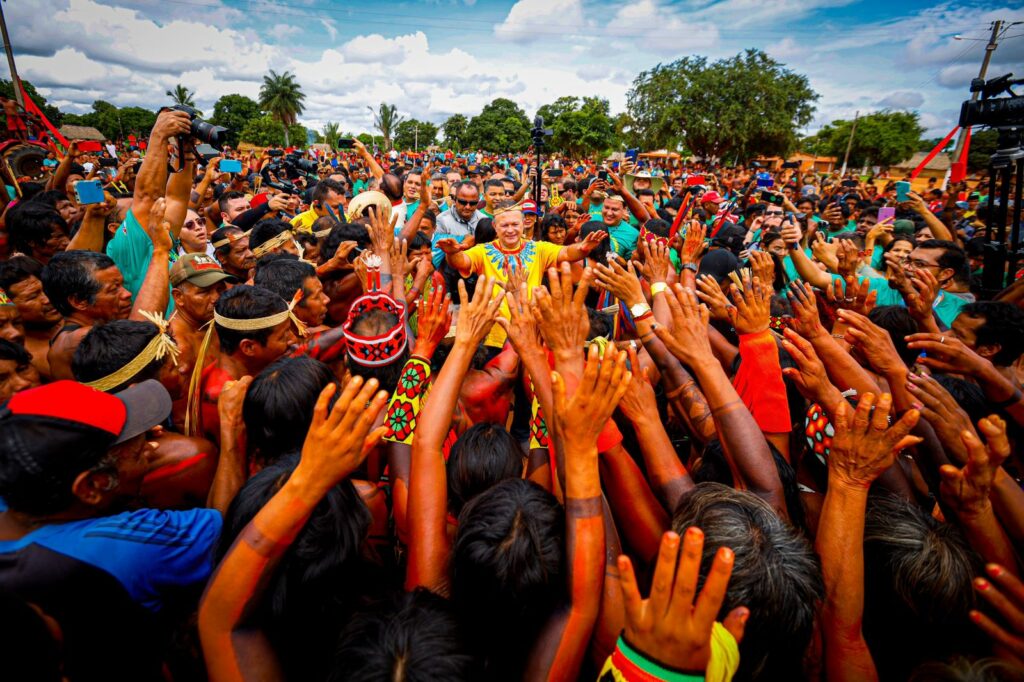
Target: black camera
[[300, 164], [204, 131], [990, 110], [275, 153], [107, 162]]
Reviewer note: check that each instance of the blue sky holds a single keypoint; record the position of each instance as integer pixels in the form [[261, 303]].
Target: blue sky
[[439, 57]]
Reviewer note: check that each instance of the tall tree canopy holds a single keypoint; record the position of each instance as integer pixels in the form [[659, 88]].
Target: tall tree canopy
[[282, 97], [501, 127], [579, 126], [736, 108], [386, 120], [234, 113], [411, 133], [455, 131], [881, 139]]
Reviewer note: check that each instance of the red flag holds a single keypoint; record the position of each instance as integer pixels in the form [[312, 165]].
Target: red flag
[[959, 170], [31, 108], [931, 155]]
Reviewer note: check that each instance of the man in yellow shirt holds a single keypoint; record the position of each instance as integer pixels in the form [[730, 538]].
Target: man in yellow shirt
[[328, 199], [511, 255]]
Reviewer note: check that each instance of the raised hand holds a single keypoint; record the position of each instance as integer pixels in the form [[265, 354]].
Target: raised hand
[[433, 320], [657, 266], [763, 266], [158, 229], [669, 626], [809, 375], [941, 410], [477, 316], [711, 295], [638, 401], [579, 421], [382, 234], [945, 353], [967, 489], [865, 445], [339, 438], [622, 282], [232, 396], [874, 343], [693, 244], [564, 323], [1005, 594], [687, 336], [752, 306], [449, 245], [521, 325], [806, 320], [847, 258]]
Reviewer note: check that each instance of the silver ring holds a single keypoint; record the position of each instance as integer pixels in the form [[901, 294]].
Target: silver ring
[[942, 339]]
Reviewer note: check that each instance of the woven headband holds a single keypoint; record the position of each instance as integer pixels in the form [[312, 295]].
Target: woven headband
[[382, 349], [158, 348], [230, 239], [272, 243]]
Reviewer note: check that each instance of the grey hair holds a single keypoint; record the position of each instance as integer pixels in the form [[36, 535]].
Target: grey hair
[[964, 670], [776, 575]]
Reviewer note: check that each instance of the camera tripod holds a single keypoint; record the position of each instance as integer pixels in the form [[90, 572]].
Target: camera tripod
[[1007, 162]]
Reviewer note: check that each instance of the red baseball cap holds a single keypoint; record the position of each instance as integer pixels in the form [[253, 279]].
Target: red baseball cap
[[66, 427], [711, 196], [529, 206]]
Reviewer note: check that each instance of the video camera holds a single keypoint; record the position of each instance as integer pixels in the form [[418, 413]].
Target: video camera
[[991, 110]]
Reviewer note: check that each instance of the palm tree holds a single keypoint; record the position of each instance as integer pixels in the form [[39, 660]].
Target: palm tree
[[331, 134], [182, 95], [386, 120], [282, 96]]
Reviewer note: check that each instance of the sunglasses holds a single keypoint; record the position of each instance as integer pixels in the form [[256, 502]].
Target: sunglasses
[[467, 202], [189, 224]]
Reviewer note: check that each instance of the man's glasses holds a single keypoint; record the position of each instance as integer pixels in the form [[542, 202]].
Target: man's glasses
[[467, 202], [917, 264], [189, 224]]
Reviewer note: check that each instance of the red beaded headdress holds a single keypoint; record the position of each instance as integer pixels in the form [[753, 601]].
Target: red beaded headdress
[[382, 349]]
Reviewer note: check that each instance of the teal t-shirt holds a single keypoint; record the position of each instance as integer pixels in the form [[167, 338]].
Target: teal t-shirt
[[131, 249], [623, 239], [359, 186]]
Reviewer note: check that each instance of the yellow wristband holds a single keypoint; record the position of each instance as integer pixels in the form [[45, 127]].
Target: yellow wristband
[[657, 288]]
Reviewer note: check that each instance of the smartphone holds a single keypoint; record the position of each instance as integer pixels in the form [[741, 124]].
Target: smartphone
[[631, 154], [602, 175], [848, 183], [230, 166], [556, 172], [345, 143], [771, 198], [615, 166], [89, 192], [90, 146], [886, 213], [902, 187], [107, 162]]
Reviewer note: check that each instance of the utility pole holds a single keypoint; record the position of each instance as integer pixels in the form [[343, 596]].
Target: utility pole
[[849, 143], [15, 81], [989, 49], [416, 137]]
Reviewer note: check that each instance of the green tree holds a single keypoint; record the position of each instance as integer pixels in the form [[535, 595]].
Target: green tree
[[881, 139], [331, 134], [366, 139], [386, 120], [579, 126], [455, 131], [983, 146], [51, 112], [282, 97], [413, 134], [234, 112], [182, 95], [733, 109], [114, 123], [501, 127], [266, 131]]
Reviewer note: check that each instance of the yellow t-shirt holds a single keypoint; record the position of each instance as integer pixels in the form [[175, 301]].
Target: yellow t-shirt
[[490, 260], [304, 221]]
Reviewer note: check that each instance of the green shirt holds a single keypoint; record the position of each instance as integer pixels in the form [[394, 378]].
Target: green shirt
[[132, 249], [359, 186], [623, 238]]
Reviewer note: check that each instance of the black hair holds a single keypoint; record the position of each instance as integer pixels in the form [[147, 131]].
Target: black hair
[[325, 187], [410, 636], [246, 302], [547, 222], [600, 252], [494, 182], [322, 575], [14, 351], [418, 241], [226, 198], [346, 232], [220, 234], [16, 270], [508, 570], [29, 190], [896, 239], [30, 224], [952, 257], [897, 321], [601, 324], [50, 197], [73, 274], [108, 347], [485, 454], [659, 227], [265, 230], [484, 231], [870, 211], [645, 192], [1002, 325], [283, 276], [278, 407], [569, 186]]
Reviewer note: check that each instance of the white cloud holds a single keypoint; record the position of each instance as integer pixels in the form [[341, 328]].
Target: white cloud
[[904, 99], [331, 27], [533, 20], [660, 28]]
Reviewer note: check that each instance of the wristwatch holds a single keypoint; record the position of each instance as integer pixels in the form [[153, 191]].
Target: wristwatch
[[690, 266], [638, 309]]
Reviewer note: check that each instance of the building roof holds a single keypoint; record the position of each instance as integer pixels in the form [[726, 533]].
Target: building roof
[[81, 133], [941, 162]]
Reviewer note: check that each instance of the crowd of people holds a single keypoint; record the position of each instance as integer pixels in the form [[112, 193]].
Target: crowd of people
[[472, 416]]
